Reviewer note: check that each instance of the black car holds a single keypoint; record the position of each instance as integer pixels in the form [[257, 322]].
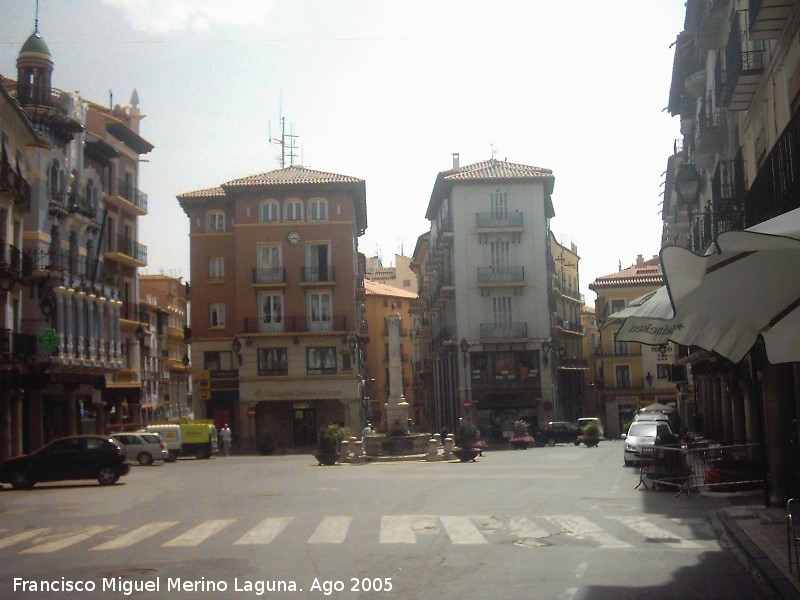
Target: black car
[[558, 432], [75, 457]]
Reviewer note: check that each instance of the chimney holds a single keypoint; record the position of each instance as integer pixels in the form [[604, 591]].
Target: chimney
[[456, 166], [639, 261]]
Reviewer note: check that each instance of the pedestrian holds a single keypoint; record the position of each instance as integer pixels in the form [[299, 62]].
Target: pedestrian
[[227, 438], [367, 431]]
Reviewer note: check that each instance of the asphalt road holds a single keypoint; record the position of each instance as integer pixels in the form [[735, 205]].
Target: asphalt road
[[545, 523]]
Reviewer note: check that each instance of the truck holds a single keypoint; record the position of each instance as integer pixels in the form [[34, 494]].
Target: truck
[[195, 438]]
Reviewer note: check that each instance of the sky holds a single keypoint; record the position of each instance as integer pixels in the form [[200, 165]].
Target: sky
[[385, 91]]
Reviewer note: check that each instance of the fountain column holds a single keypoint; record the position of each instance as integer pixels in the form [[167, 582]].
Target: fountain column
[[396, 407]]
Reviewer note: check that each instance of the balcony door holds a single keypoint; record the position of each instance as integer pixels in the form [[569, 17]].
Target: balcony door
[[317, 261], [319, 311], [271, 312], [270, 263]]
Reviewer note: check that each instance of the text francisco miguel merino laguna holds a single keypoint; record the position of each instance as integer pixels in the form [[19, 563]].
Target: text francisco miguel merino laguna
[[172, 584]]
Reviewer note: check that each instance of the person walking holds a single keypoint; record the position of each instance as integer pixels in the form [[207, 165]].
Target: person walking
[[367, 431], [227, 439]]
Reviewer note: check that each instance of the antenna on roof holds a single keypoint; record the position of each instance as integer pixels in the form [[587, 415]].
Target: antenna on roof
[[36, 21], [286, 141]]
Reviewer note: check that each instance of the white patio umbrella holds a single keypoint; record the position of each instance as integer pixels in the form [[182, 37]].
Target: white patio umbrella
[[747, 284]]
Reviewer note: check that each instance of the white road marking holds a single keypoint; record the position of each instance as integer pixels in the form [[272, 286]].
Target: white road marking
[[264, 532], [580, 570], [652, 532], [528, 533], [403, 529], [136, 535], [69, 540], [461, 530], [583, 529], [331, 530], [21, 537], [199, 534]]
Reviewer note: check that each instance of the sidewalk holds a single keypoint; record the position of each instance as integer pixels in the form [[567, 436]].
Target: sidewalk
[[760, 534]]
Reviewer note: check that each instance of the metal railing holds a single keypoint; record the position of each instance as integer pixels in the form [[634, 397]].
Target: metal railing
[[295, 324], [317, 274], [491, 220], [269, 275], [12, 182], [501, 274], [126, 190], [494, 331], [16, 346], [130, 248]]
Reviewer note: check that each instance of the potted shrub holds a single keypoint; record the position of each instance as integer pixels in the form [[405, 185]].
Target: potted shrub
[[328, 444], [521, 438], [467, 441], [591, 434]]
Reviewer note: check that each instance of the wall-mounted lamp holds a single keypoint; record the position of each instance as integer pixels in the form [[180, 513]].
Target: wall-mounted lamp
[[688, 182], [185, 360], [464, 346], [236, 346], [139, 333]]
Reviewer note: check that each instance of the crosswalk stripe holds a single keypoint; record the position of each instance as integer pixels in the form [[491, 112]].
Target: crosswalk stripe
[[652, 532], [136, 535], [199, 534], [21, 537], [67, 541], [331, 530], [264, 532], [583, 529], [527, 533], [403, 529], [461, 530]]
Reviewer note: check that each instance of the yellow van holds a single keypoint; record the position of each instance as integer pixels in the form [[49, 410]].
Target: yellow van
[[199, 438]]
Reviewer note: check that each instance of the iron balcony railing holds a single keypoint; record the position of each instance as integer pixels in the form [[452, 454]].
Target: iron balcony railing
[[269, 275], [16, 346], [10, 257], [495, 331], [28, 94], [727, 194], [317, 274], [80, 204], [490, 220], [743, 58], [12, 182], [130, 248], [126, 189], [132, 311], [295, 324], [776, 188], [501, 274]]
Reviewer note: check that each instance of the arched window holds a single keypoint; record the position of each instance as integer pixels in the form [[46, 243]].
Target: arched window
[[318, 209], [215, 221], [55, 182], [293, 211], [269, 211]]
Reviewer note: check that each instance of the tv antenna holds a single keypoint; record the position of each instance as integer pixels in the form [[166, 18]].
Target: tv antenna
[[287, 143]]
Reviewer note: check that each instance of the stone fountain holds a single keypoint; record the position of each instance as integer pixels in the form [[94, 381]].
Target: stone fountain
[[397, 442]]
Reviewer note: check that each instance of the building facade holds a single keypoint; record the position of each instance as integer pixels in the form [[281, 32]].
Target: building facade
[[736, 89], [80, 257], [483, 308], [275, 318], [400, 275], [380, 300], [629, 375]]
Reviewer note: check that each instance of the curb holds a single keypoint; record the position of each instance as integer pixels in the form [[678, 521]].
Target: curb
[[769, 572]]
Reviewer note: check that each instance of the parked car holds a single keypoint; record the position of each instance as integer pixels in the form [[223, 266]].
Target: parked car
[[143, 447], [584, 421], [558, 432], [73, 457], [643, 433]]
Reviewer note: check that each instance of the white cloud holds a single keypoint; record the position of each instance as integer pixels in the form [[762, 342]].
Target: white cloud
[[157, 16]]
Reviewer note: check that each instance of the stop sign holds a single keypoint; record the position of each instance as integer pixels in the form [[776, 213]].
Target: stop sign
[[251, 411], [466, 404]]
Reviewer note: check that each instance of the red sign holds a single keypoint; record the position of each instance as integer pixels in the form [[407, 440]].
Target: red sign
[[251, 411], [466, 404]]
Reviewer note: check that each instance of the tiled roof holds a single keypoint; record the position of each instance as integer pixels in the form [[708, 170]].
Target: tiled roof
[[498, 169], [373, 288], [291, 176], [644, 273], [206, 193]]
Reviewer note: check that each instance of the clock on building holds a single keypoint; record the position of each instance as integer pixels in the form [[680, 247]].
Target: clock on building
[[293, 237]]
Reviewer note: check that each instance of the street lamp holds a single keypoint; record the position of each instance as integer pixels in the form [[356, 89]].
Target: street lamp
[[688, 182], [464, 346], [649, 379]]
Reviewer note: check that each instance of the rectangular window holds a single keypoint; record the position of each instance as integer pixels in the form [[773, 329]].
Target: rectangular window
[[319, 311], [294, 211], [271, 315], [321, 361], [216, 268], [499, 204], [270, 212], [269, 256], [318, 262], [500, 251], [272, 362], [217, 315], [501, 309], [212, 361], [317, 210], [623, 376]]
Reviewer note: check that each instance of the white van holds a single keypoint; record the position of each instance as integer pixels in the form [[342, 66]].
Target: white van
[[171, 434]]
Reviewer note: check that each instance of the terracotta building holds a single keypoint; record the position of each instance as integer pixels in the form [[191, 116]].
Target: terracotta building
[[380, 300], [275, 274]]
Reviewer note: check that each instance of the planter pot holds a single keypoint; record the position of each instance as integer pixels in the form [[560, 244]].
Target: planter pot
[[466, 454], [590, 442], [519, 445], [327, 458]]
